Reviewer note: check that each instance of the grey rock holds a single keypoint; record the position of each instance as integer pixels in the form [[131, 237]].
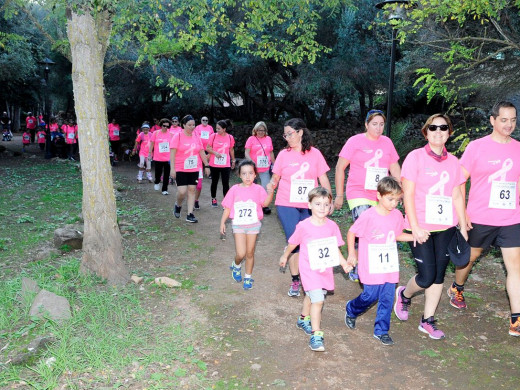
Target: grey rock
[[32, 350], [29, 289], [48, 304], [71, 235]]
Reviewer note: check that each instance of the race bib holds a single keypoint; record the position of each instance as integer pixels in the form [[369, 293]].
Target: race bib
[[222, 161], [439, 210], [323, 253], [382, 258], [372, 177], [191, 162], [503, 195], [204, 134], [245, 213], [262, 162], [300, 189], [164, 147], [41, 136], [116, 133], [70, 135]]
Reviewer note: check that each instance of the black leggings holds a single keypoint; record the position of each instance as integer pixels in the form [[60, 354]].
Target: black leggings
[[162, 168], [432, 258], [215, 175]]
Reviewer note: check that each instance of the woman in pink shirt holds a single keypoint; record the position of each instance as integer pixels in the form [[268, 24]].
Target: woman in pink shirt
[[71, 136], [187, 158], [160, 153], [296, 172], [222, 158], [142, 143], [113, 136], [259, 149], [434, 205], [371, 155], [175, 128]]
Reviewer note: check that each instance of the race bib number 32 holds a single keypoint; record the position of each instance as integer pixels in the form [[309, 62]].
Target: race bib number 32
[[323, 253]]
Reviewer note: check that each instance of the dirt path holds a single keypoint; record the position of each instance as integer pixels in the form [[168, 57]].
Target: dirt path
[[254, 332]]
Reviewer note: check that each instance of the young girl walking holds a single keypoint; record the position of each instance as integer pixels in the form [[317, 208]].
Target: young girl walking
[[243, 204], [319, 239]]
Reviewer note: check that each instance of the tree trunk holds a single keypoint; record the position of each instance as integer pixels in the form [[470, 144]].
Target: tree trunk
[[102, 246]]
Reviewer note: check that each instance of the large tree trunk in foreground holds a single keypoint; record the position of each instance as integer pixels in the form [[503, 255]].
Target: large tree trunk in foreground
[[102, 246]]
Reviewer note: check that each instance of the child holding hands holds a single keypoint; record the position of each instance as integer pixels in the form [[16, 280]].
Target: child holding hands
[[319, 239], [243, 203], [378, 229]]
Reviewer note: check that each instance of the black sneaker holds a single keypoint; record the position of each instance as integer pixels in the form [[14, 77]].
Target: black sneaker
[[191, 218], [384, 338], [196, 206], [177, 211], [350, 321]]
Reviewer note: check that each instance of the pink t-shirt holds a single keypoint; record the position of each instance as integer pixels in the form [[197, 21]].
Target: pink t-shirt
[[204, 131], [161, 145], [26, 138], [239, 193], [306, 232], [113, 132], [70, 133], [255, 145], [435, 178], [41, 136], [154, 128], [53, 127], [291, 165], [144, 141], [188, 152], [489, 162], [30, 122], [374, 228], [363, 153], [221, 144], [175, 130]]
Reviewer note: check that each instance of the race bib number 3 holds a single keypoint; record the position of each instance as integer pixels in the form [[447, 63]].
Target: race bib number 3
[[300, 189], [439, 210], [323, 253], [222, 161], [245, 213], [262, 162], [373, 175], [164, 147], [191, 162], [382, 258], [503, 195]]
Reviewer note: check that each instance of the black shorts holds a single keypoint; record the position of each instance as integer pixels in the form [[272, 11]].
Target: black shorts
[[187, 178], [483, 236]]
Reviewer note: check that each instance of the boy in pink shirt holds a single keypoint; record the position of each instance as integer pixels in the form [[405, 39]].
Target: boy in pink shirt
[[378, 229], [319, 239]]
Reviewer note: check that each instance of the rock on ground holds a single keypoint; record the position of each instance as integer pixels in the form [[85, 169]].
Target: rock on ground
[[49, 304], [71, 235]]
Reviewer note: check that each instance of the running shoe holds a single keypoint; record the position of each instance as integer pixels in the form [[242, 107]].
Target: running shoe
[[149, 177], [305, 325], [177, 211], [165, 192], [214, 203], [196, 206], [514, 329], [456, 295], [401, 304], [429, 327], [191, 218], [350, 321], [236, 272], [316, 342], [157, 187], [248, 283], [294, 290], [353, 275], [384, 338]]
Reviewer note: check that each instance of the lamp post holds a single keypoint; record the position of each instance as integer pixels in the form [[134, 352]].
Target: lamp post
[[46, 70], [397, 11]]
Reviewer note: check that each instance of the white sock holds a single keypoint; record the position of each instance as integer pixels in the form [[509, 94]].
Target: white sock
[[247, 276], [235, 264]]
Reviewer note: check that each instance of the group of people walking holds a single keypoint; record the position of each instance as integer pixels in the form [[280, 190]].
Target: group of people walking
[[431, 184]]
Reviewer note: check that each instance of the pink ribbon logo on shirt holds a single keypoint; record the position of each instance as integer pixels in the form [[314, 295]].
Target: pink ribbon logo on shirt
[[390, 237], [191, 150], [445, 177], [501, 173], [222, 149], [300, 174], [374, 161]]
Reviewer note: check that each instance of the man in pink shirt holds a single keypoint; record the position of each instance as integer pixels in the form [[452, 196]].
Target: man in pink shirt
[[30, 123], [493, 213]]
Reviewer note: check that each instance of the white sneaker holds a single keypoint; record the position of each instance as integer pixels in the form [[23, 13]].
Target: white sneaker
[[157, 187], [165, 192]]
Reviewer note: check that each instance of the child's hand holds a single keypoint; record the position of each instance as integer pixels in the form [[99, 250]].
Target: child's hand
[[223, 228], [345, 265], [283, 261], [351, 261]]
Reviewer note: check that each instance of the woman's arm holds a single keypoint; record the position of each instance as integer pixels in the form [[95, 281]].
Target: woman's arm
[[419, 234], [460, 209], [232, 154], [395, 171], [247, 154], [173, 153], [341, 165]]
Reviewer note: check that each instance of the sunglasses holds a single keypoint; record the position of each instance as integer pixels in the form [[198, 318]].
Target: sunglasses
[[440, 127], [204, 120], [165, 125]]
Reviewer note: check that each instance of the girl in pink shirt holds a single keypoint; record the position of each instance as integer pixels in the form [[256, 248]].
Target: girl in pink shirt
[[142, 143], [41, 136], [71, 136], [434, 205], [187, 158], [296, 171], [26, 140], [243, 204], [160, 150], [259, 148], [203, 131], [115, 141], [371, 156], [319, 240]]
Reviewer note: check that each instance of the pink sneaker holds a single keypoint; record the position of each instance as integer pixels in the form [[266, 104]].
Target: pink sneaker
[[401, 305], [428, 326]]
